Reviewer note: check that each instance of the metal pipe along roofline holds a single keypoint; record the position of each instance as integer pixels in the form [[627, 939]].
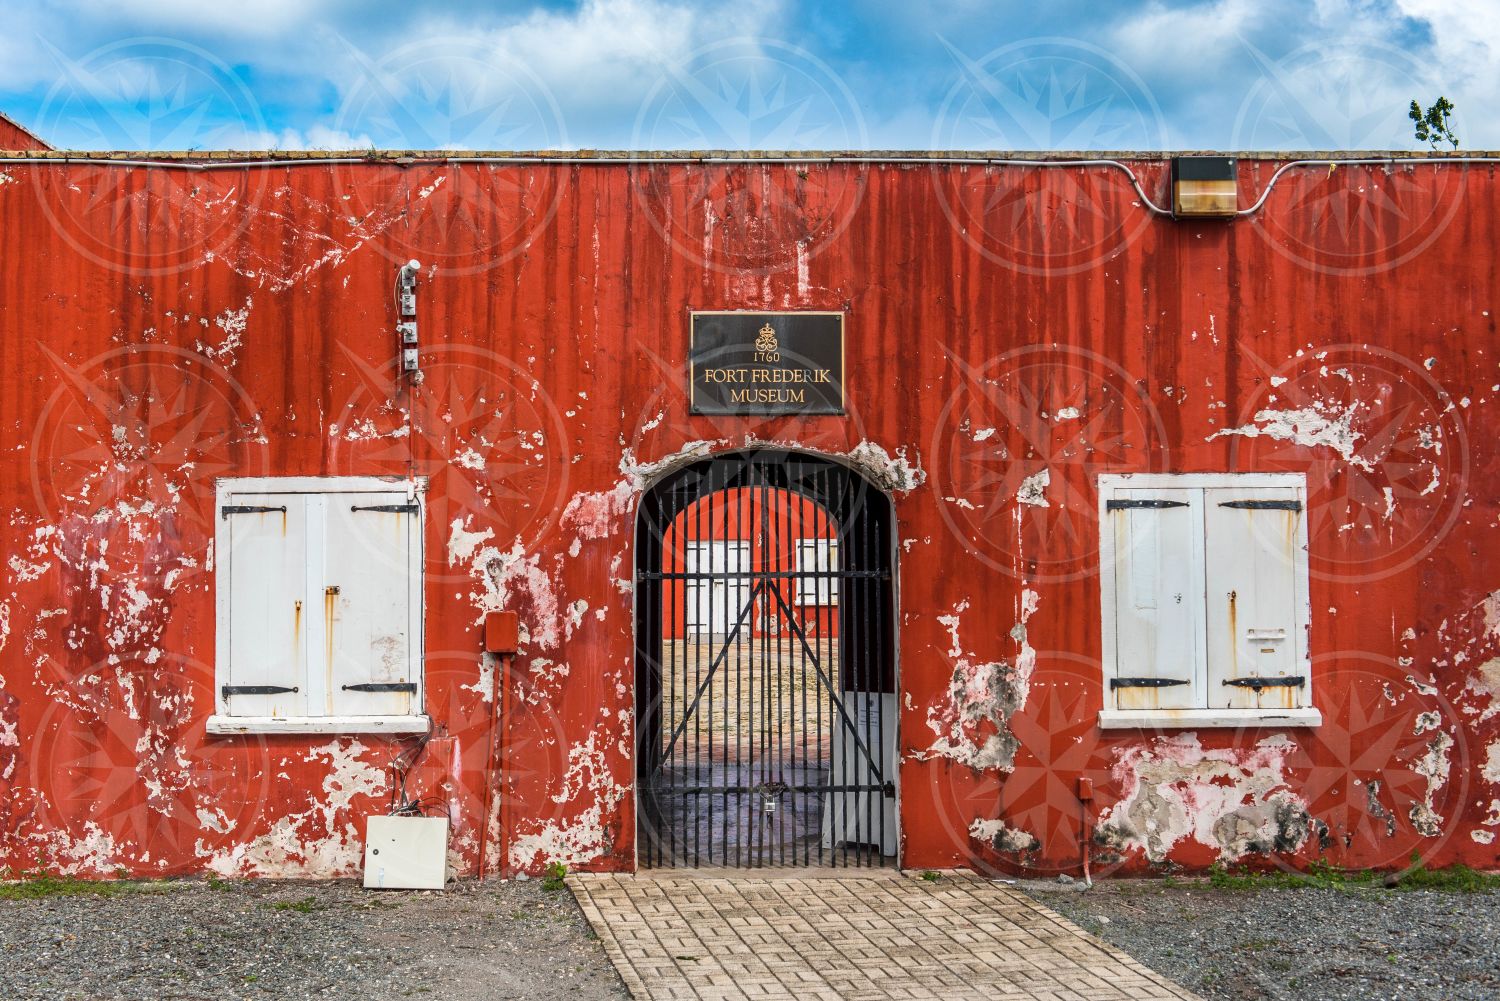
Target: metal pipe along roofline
[[961, 161]]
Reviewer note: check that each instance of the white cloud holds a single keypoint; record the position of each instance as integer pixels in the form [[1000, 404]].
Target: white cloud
[[1330, 74], [256, 18], [1465, 60], [537, 82], [1184, 40], [313, 138]]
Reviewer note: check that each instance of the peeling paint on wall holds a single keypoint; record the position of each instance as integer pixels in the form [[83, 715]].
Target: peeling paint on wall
[[1033, 490], [973, 727], [1432, 766], [1320, 425], [1003, 839], [1238, 801], [588, 833], [320, 840]]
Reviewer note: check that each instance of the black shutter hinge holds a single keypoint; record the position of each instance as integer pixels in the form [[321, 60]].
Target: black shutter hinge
[[388, 508], [228, 690], [225, 512], [1121, 505], [1145, 682], [383, 686], [1290, 681], [1263, 505]]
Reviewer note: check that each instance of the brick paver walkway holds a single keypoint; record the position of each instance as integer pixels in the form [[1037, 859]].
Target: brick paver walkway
[[842, 937]]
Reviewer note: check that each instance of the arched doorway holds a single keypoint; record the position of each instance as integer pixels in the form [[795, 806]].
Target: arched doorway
[[765, 623]]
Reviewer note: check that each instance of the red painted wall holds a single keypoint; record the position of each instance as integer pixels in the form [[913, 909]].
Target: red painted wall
[[14, 137], [159, 329]]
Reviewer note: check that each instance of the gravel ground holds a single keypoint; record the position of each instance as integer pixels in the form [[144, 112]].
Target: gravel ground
[[296, 940], [1304, 944]]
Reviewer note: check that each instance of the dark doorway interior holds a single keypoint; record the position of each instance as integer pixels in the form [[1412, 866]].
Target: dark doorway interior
[[765, 665]]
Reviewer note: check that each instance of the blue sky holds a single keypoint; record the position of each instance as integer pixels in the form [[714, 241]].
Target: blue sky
[[668, 74]]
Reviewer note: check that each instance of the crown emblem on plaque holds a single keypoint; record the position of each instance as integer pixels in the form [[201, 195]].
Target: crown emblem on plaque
[[765, 341]]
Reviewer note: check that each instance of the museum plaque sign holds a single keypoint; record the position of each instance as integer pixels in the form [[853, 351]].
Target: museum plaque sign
[[767, 364]]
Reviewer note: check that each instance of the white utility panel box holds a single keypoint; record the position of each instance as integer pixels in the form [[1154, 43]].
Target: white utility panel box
[[406, 853]]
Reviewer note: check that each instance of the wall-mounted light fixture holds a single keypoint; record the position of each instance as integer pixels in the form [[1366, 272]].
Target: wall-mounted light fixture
[[406, 321], [1204, 187]]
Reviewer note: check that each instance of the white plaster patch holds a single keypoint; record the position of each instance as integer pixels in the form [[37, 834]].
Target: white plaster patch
[[594, 515], [584, 837], [484, 681], [1491, 770], [462, 543], [233, 323], [509, 580], [982, 697], [1483, 683], [319, 842], [1001, 838], [1033, 489], [1490, 607], [1236, 800], [1316, 426], [895, 473], [1433, 765]]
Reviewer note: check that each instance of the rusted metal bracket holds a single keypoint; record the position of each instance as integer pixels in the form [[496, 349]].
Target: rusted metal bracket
[[1124, 504], [1263, 505], [227, 690], [1145, 682], [383, 686], [388, 508], [1290, 681], [225, 512]]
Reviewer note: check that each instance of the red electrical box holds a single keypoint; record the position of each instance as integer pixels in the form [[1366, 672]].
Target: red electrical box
[[502, 632], [1085, 789]]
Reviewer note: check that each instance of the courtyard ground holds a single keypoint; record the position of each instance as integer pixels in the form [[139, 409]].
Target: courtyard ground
[[191, 940], [1279, 939], [308, 941]]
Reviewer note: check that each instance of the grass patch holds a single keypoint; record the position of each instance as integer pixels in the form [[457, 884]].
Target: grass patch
[[930, 876], [557, 873], [304, 906], [38, 884], [1323, 875], [1454, 879]]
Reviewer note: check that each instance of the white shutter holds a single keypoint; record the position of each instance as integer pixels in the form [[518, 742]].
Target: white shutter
[[714, 605], [267, 619], [1157, 588], [699, 593], [368, 631], [821, 556], [1254, 543]]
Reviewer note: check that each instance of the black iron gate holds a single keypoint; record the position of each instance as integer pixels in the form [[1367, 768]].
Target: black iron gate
[[765, 665]]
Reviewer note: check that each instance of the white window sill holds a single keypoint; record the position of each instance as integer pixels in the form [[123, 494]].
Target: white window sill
[[224, 725], [1168, 719]]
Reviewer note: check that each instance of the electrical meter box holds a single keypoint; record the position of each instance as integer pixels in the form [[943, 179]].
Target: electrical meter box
[[406, 853]]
